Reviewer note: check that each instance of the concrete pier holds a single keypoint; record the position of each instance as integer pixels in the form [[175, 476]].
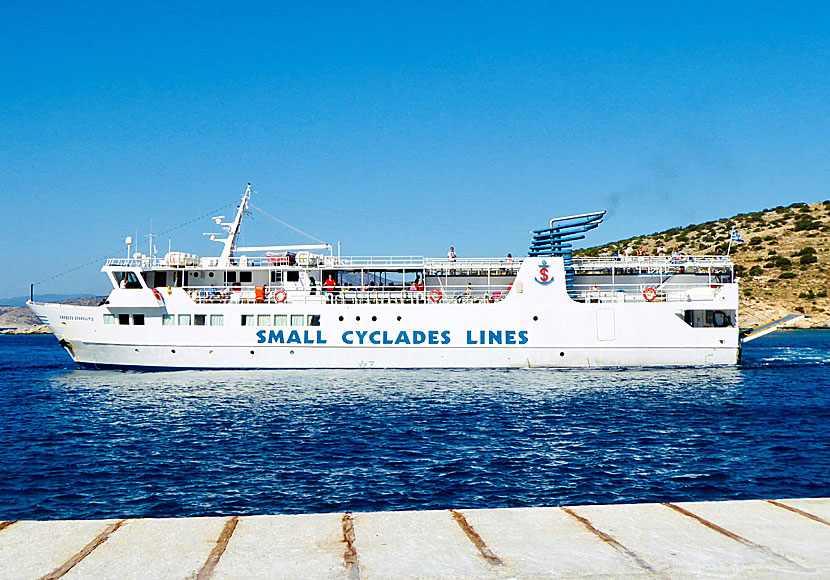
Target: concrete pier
[[731, 539]]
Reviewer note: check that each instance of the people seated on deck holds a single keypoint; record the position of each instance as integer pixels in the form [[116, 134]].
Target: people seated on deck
[[468, 292]]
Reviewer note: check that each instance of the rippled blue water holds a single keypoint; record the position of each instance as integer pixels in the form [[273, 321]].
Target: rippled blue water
[[89, 444]]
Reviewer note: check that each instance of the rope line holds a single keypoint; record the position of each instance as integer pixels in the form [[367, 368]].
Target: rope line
[[285, 224], [100, 258]]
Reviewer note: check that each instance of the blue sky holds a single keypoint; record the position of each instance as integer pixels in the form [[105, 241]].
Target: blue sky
[[397, 128]]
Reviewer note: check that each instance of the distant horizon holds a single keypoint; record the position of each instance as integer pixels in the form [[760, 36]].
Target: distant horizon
[[397, 129]]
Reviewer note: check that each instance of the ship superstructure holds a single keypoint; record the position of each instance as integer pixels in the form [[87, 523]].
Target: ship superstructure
[[301, 306]]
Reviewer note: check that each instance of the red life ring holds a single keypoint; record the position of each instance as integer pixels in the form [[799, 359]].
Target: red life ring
[[157, 294], [435, 295], [649, 294], [280, 296]]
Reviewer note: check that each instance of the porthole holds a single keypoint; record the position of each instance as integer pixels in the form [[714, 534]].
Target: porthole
[[137, 349], [195, 274], [399, 318], [374, 319], [561, 354], [340, 319], [357, 318], [210, 274], [252, 352], [173, 351], [535, 318], [290, 352]]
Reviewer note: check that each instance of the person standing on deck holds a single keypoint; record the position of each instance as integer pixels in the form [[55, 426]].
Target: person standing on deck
[[451, 254]]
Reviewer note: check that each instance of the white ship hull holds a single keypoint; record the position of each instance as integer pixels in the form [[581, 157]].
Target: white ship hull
[[536, 325]]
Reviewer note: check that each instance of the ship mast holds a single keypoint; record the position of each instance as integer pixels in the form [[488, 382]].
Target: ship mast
[[232, 229]]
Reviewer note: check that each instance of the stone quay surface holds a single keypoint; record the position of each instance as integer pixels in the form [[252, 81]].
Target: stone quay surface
[[788, 538]]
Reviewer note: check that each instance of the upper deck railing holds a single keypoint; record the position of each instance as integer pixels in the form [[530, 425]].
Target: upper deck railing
[[497, 265], [653, 264]]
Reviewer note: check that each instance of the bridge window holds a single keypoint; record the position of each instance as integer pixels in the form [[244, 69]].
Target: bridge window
[[123, 319], [247, 320], [280, 320], [246, 276], [138, 319], [199, 319], [109, 319], [263, 320], [184, 320], [168, 320], [314, 320], [217, 320], [297, 320]]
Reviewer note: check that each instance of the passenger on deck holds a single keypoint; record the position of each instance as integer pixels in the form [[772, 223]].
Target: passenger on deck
[[329, 285], [468, 292], [123, 284], [451, 255], [313, 283]]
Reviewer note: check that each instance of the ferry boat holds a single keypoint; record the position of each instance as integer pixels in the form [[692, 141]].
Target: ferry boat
[[293, 307]]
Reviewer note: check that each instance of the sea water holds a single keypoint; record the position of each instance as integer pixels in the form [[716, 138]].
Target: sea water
[[100, 444]]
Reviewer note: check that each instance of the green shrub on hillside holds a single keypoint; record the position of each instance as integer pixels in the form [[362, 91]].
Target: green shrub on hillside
[[756, 271], [806, 223], [808, 259], [787, 275]]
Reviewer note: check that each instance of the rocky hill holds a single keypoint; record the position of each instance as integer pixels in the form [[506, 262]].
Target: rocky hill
[[782, 264]]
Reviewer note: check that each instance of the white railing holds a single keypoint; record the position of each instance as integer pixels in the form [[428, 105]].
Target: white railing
[[347, 295], [644, 292], [653, 263]]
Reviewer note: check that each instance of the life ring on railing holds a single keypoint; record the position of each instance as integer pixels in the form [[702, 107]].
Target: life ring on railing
[[650, 294], [280, 296], [435, 295], [157, 294]]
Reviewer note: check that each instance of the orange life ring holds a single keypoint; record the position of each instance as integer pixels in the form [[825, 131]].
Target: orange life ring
[[435, 295], [280, 296], [649, 294], [157, 294]]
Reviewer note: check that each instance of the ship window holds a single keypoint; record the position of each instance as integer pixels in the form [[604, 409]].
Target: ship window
[[199, 319], [292, 276], [123, 319], [184, 320], [138, 319], [109, 319], [168, 320], [314, 320], [217, 320], [263, 320], [231, 277], [297, 320], [276, 276], [246, 276], [247, 320], [280, 320]]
